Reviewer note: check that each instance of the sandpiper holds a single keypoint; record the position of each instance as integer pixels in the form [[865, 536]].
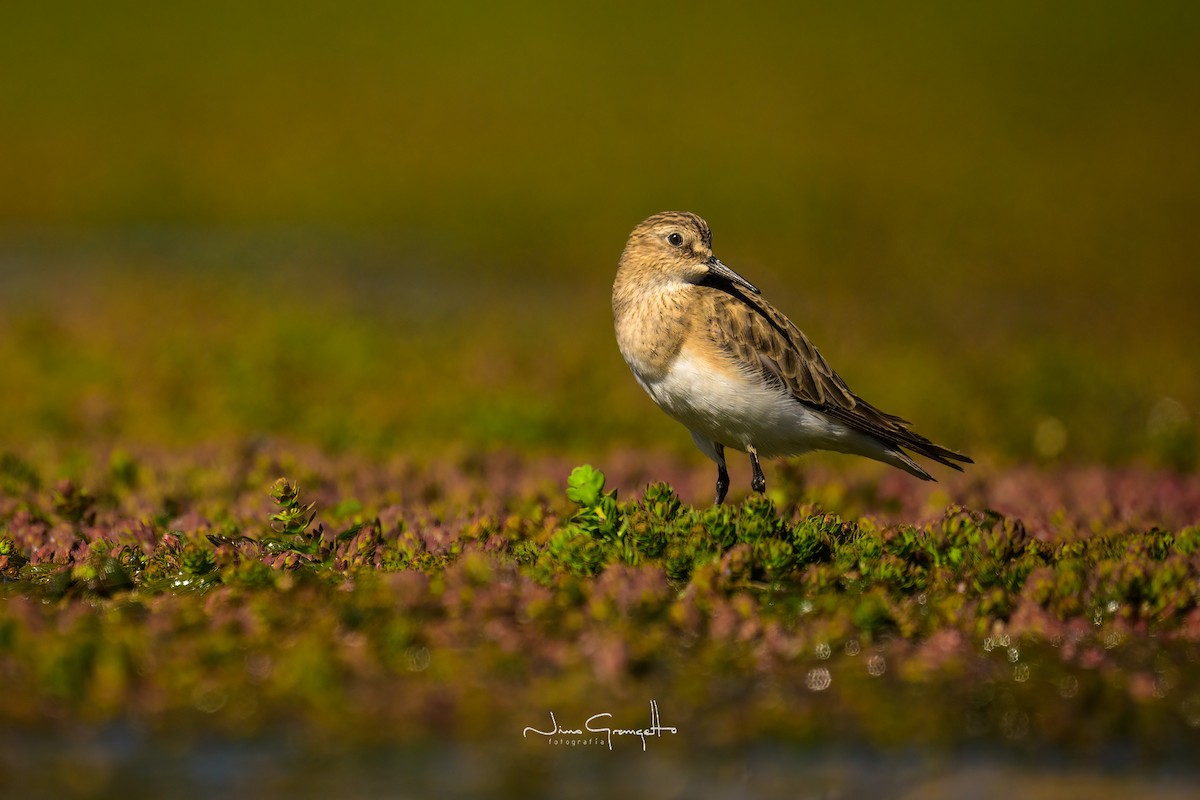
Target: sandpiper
[[717, 357]]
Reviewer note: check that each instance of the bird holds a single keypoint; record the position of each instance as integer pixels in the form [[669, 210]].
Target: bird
[[718, 358]]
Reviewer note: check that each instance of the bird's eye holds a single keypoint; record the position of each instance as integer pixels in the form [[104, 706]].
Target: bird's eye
[[675, 240]]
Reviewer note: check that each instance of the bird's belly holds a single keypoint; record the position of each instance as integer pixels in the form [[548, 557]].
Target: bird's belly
[[718, 401]]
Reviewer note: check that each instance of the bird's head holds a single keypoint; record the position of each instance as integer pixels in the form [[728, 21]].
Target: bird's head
[[675, 247]]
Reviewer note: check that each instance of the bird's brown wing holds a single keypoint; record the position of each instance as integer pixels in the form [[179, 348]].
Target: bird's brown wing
[[762, 339]]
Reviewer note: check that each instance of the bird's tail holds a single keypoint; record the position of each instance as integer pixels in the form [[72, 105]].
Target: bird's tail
[[923, 447]]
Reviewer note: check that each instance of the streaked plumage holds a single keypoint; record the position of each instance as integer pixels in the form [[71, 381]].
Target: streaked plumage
[[721, 360]]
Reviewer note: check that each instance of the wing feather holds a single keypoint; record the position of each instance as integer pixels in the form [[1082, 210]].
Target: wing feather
[[762, 339]]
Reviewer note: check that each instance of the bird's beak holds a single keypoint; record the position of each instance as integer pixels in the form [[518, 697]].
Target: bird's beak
[[715, 267]]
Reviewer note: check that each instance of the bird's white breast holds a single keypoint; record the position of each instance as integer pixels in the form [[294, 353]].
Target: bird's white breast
[[720, 402]]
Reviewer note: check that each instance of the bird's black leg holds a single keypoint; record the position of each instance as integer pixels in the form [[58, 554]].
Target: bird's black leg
[[759, 481], [722, 475]]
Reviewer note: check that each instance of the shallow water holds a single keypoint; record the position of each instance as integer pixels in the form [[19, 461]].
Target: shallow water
[[121, 763]]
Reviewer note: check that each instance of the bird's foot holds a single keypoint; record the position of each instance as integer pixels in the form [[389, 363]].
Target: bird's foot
[[759, 481], [722, 483]]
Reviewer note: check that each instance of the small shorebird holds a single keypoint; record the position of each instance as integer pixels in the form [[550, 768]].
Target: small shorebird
[[724, 362]]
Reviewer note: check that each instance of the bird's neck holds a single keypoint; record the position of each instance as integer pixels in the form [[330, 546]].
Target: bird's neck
[[651, 321]]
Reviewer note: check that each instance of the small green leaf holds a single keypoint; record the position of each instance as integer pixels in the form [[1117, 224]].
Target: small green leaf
[[585, 485]]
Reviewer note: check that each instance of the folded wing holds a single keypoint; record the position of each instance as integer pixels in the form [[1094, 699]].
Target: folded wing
[[762, 339]]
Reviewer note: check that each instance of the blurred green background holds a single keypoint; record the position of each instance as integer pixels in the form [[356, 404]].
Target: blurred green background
[[379, 226]]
